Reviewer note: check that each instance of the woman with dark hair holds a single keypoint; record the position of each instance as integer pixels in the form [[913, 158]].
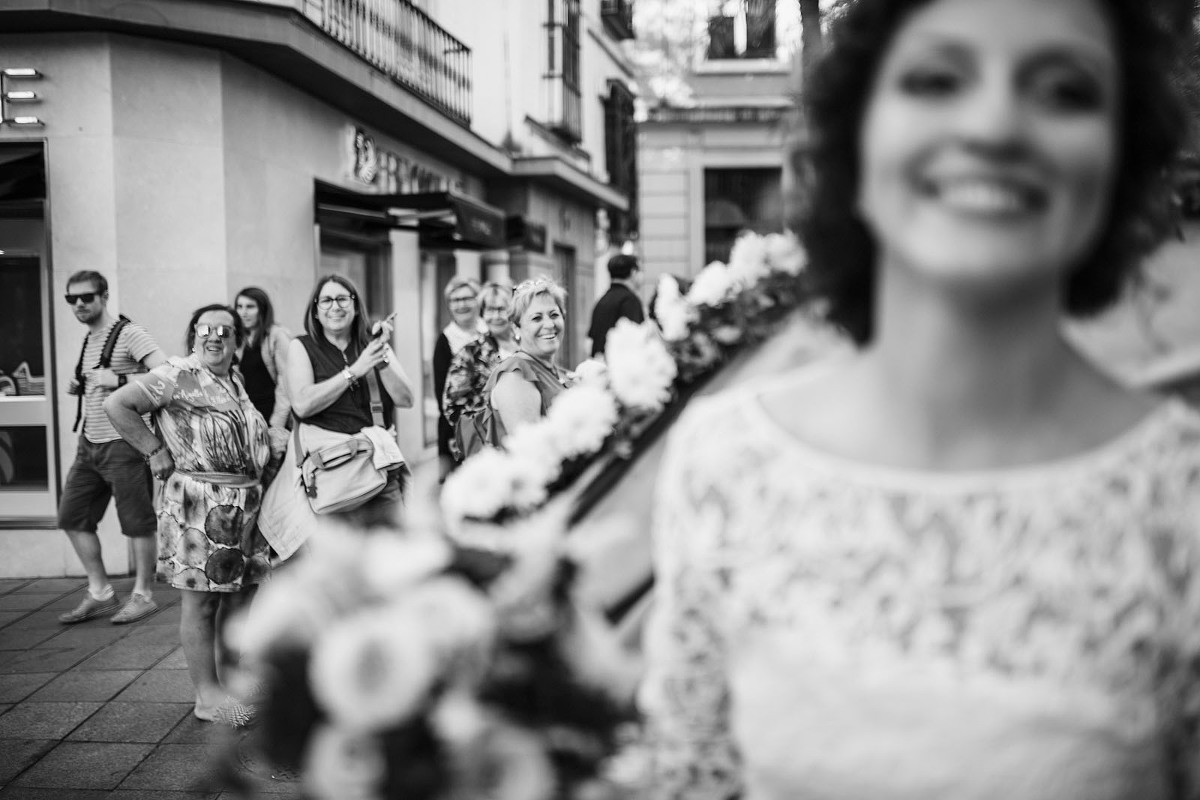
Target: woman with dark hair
[[327, 377], [960, 561], [263, 359], [209, 448]]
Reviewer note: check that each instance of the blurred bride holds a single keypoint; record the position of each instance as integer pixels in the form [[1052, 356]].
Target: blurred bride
[[959, 562]]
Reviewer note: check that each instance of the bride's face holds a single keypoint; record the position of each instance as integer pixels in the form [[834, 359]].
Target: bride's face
[[989, 142]]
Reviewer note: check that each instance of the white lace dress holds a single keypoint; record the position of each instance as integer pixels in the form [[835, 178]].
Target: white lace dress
[[831, 630]]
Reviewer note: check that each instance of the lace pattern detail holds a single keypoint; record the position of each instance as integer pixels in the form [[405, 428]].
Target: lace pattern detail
[[1083, 574]]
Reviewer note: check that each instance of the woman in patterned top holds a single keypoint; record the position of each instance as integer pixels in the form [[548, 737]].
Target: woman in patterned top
[[471, 367], [960, 562], [210, 451]]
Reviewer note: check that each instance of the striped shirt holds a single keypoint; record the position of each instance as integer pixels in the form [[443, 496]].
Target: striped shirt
[[133, 344]]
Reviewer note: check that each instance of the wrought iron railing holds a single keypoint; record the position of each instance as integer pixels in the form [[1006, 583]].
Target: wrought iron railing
[[564, 112], [617, 16], [402, 41]]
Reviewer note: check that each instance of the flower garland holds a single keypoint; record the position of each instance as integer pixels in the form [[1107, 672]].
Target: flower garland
[[647, 366]]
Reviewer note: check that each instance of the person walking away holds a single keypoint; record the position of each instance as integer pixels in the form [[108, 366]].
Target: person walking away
[[105, 465], [462, 297], [621, 301], [209, 451]]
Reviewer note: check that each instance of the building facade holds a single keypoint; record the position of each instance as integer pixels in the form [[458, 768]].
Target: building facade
[[188, 148]]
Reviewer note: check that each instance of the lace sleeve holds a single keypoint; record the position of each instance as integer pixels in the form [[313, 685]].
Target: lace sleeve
[[685, 696]]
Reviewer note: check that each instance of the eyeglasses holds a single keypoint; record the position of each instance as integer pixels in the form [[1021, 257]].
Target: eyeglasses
[[86, 297], [343, 301], [222, 331], [466, 298]]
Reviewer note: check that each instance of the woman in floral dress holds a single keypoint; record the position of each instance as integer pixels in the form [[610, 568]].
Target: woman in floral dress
[[473, 365], [210, 451]]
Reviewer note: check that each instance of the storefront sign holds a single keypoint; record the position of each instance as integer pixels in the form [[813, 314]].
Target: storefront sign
[[14, 93], [391, 173]]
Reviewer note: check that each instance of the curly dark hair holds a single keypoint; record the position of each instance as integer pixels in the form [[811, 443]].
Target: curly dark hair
[[1152, 130], [239, 330]]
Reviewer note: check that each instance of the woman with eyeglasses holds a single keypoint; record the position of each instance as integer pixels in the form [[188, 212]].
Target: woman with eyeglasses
[[473, 365], [327, 377], [209, 447]]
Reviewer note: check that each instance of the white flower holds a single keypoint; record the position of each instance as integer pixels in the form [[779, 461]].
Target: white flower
[[712, 286], [481, 488], [581, 419], [535, 446], [640, 370], [748, 260], [591, 372], [673, 313], [374, 669], [284, 612], [343, 765], [459, 623], [392, 564], [528, 479], [785, 254]]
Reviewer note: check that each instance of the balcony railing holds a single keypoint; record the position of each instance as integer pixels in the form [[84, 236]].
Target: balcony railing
[[617, 16], [402, 41]]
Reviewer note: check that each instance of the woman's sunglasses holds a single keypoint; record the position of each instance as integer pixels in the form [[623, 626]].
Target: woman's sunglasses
[[86, 297], [222, 331]]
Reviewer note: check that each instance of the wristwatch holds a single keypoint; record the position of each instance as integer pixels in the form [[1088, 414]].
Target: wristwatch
[[122, 380]]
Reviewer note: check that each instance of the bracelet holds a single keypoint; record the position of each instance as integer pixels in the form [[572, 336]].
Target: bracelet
[[122, 380], [154, 452], [349, 376]]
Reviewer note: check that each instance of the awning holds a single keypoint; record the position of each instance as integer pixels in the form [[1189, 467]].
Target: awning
[[443, 219], [525, 234]]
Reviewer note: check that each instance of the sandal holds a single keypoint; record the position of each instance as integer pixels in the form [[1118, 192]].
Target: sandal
[[232, 712]]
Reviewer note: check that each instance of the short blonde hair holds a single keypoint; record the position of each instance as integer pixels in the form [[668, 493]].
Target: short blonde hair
[[458, 282], [496, 293], [525, 293]]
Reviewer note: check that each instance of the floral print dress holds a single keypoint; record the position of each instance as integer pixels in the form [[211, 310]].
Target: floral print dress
[[465, 381], [830, 629], [208, 539]]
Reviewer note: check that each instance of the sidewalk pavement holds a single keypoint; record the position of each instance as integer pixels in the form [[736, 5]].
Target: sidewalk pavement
[[97, 711]]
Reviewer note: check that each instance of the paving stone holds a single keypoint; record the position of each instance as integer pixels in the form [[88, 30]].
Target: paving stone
[[48, 659], [55, 585], [25, 601], [176, 767], [5, 707], [140, 633], [15, 688], [131, 722], [95, 685], [125, 655], [37, 620], [30, 720], [32, 793], [176, 660], [12, 584], [17, 637], [84, 635], [65, 602], [167, 617], [85, 765], [195, 731], [160, 686], [158, 794], [18, 755], [8, 617]]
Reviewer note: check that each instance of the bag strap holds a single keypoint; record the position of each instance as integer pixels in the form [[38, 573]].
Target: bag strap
[[106, 354], [376, 400]]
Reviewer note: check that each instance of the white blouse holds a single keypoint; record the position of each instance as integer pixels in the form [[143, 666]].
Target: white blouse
[[827, 629]]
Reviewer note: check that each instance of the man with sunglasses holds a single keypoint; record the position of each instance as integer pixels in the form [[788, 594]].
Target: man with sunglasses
[[105, 465]]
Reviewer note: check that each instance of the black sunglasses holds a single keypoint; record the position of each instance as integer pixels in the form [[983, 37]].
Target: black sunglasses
[[86, 297]]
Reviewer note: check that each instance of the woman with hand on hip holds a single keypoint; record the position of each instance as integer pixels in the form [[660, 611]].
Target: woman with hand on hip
[[210, 450], [961, 561], [327, 378]]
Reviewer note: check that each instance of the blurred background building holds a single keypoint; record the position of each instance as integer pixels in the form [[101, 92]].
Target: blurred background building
[[189, 148]]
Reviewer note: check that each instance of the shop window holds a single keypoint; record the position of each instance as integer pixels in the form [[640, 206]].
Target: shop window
[[365, 261], [742, 29], [737, 200], [564, 113]]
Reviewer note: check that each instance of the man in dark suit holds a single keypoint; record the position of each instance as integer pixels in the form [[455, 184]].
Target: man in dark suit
[[621, 300]]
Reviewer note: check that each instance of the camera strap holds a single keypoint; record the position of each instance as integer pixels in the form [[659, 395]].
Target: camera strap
[[106, 354]]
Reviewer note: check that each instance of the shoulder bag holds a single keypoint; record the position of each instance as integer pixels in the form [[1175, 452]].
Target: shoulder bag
[[338, 470]]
